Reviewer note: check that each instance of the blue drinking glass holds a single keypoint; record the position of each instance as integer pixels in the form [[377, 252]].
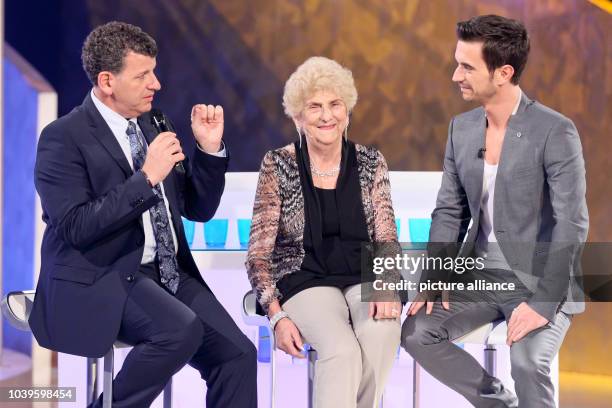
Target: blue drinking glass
[[215, 233], [263, 351], [244, 229], [419, 229], [189, 227]]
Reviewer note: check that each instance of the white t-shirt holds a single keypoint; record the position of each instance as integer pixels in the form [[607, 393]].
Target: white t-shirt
[[486, 242]]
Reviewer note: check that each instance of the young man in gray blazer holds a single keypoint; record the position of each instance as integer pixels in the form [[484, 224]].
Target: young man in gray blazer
[[514, 169]]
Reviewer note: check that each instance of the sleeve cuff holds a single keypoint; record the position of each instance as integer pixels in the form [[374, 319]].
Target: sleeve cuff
[[220, 153], [548, 310]]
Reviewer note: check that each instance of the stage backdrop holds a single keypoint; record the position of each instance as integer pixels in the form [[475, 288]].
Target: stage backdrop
[[239, 54]]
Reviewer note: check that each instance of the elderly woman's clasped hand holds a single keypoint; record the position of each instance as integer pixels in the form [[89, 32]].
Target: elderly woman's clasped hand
[[288, 338], [385, 310]]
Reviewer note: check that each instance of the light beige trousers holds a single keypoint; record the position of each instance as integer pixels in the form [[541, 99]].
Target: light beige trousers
[[355, 353]]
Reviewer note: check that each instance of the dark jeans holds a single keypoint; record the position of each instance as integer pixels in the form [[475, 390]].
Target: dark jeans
[[169, 331]]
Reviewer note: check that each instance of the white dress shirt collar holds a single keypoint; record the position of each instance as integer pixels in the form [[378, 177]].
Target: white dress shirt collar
[[112, 118]]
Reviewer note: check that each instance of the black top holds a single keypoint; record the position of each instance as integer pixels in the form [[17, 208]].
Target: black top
[[335, 262], [334, 228], [329, 212]]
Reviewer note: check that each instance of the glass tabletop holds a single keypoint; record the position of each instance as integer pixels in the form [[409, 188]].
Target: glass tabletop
[[217, 249]]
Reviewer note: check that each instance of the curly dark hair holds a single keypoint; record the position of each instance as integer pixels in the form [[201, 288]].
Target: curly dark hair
[[107, 45], [505, 41]]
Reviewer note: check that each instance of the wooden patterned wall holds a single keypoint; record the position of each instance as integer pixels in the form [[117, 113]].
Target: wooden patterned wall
[[239, 53]]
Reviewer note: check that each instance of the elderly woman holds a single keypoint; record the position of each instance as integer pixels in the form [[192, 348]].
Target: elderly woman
[[318, 200]]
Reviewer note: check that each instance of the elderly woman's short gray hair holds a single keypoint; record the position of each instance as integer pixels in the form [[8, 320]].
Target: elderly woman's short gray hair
[[318, 74]]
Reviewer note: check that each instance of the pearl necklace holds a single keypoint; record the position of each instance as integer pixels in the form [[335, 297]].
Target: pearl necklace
[[327, 173]]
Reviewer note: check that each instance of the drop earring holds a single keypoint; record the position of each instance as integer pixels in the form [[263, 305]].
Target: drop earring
[[299, 135], [346, 131]]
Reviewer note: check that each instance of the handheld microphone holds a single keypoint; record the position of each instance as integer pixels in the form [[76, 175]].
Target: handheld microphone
[[481, 152], [162, 124]]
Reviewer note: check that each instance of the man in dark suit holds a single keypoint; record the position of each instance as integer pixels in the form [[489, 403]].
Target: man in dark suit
[[115, 261], [514, 169]]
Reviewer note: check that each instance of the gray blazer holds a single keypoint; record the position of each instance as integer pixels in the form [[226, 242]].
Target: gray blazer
[[540, 211]]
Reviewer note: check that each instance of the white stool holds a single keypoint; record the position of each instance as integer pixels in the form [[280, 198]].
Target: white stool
[[16, 307], [252, 318], [107, 379]]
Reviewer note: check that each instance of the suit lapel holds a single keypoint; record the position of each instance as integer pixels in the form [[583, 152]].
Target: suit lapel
[[473, 132], [105, 136], [147, 128], [515, 136]]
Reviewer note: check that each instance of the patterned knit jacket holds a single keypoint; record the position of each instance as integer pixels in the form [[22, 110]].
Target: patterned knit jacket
[[276, 241]]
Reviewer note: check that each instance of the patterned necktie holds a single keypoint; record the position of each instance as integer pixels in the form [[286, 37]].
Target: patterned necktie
[[168, 268]]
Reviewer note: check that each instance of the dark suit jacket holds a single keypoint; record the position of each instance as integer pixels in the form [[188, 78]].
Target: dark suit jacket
[[93, 243], [540, 211]]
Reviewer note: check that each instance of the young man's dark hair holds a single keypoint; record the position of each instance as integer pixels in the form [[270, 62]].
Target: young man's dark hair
[[505, 41], [107, 45]]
